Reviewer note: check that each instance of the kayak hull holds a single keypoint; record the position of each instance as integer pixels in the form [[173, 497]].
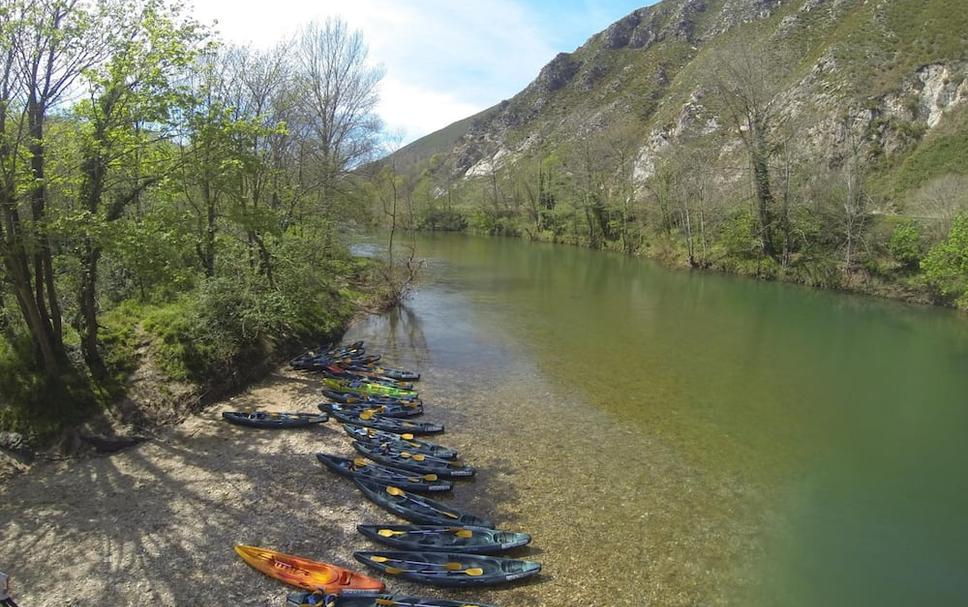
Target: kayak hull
[[405, 459], [449, 569], [360, 468], [389, 424], [394, 411], [276, 421], [304, 573], [443, 538], [417, 508], [372, 436], [367, 599]]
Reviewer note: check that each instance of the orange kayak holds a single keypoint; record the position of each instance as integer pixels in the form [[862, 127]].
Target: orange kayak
[[306, 574]]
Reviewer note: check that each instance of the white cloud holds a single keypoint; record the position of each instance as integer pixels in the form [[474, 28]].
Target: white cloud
[[444, 59]]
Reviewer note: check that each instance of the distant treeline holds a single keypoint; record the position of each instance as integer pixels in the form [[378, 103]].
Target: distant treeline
[[751, 195]]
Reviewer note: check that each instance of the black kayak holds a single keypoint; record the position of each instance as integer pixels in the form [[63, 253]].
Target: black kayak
[[389, 424], [371, 436], [349, 398], [263, 419], [369, 599], [405, 459], [443, 538], [417, 508], [360, 468], [397, 374], [449, 569], [396, 411]]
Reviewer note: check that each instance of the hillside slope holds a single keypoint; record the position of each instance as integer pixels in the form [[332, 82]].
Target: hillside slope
[[856, 100]]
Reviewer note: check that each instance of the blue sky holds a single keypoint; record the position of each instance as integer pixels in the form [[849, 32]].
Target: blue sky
[[444, 59]]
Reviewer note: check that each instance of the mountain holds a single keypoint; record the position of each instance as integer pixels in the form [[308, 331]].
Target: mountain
[[787, 102]]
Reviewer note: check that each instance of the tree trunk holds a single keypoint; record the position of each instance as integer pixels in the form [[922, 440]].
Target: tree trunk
[[87, 298], [765, 202]]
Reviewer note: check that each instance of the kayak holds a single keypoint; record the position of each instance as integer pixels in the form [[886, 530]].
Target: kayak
[[389, 424], [396, 411], [360, 468], [449, 569], [405, 459], [349, 398], [372, 436], [304, 573], [397, 374], [264, 419], [367, 388], [368, 599], [417, 508], [442, 538], [339, 372]]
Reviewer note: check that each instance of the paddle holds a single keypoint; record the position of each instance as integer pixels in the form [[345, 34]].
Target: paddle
[[398, 492], [463, 533], [395, 603], [450, 566], [362, 463]]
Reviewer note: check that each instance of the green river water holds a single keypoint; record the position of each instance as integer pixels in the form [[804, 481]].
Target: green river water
[[677, 438]]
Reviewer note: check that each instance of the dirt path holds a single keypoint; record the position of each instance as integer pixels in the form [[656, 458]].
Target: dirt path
[[156, 523]]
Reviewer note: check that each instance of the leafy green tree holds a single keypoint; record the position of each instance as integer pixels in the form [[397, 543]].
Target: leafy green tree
[[905, 244], [946, 264]]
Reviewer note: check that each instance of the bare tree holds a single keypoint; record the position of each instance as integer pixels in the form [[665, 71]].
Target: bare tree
[[341, 96], [746, 82]]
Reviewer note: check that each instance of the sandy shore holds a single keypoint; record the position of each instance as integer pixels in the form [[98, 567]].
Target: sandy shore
[[156, 524]]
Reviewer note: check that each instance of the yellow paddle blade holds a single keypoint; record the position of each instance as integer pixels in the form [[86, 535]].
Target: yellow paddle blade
[[407, 436], [397, 491], [464, 533], [405, 454], [376, 558], [390, 532], [360, 462], [474, 571], [419, 458], [370, 432], [430, 477], [453, 566], [387, 602], [368, 414], [392, 570]]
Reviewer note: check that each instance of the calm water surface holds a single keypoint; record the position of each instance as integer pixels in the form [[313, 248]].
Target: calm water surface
[[675, 438]]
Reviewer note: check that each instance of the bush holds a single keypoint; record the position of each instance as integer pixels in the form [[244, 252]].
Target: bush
[[946, 264], [443, 220], [905, 244]]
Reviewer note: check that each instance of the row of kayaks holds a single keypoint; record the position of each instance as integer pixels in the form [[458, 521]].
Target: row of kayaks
[[444, 546]]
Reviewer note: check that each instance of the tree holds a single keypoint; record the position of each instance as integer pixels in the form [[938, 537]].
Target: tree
[[340, 92], [45, 46], [946, 264], [129, 114], [746, 82]]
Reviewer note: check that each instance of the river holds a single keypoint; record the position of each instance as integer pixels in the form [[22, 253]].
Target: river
[[678, 438]]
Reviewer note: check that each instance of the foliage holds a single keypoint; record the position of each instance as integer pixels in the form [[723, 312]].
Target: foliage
[[946, 264], [905, 244], [169, 197]]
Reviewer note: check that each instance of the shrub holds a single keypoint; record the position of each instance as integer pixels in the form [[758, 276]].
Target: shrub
[[905, 244], [946, 264]]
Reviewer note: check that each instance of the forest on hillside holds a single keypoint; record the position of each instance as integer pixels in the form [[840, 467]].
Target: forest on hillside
[[169, 197], [821, 143]]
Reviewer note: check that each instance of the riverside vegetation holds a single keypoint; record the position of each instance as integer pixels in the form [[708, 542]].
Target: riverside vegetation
[[816, 141], [168, 203]]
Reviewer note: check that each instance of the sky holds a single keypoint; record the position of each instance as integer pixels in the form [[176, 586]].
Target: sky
[[444, 59]]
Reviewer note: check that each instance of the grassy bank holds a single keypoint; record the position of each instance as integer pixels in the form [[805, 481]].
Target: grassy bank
[[166, 358]]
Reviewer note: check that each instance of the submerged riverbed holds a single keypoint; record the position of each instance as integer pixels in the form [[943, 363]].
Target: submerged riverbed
[[668, 438], [675, 438]]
